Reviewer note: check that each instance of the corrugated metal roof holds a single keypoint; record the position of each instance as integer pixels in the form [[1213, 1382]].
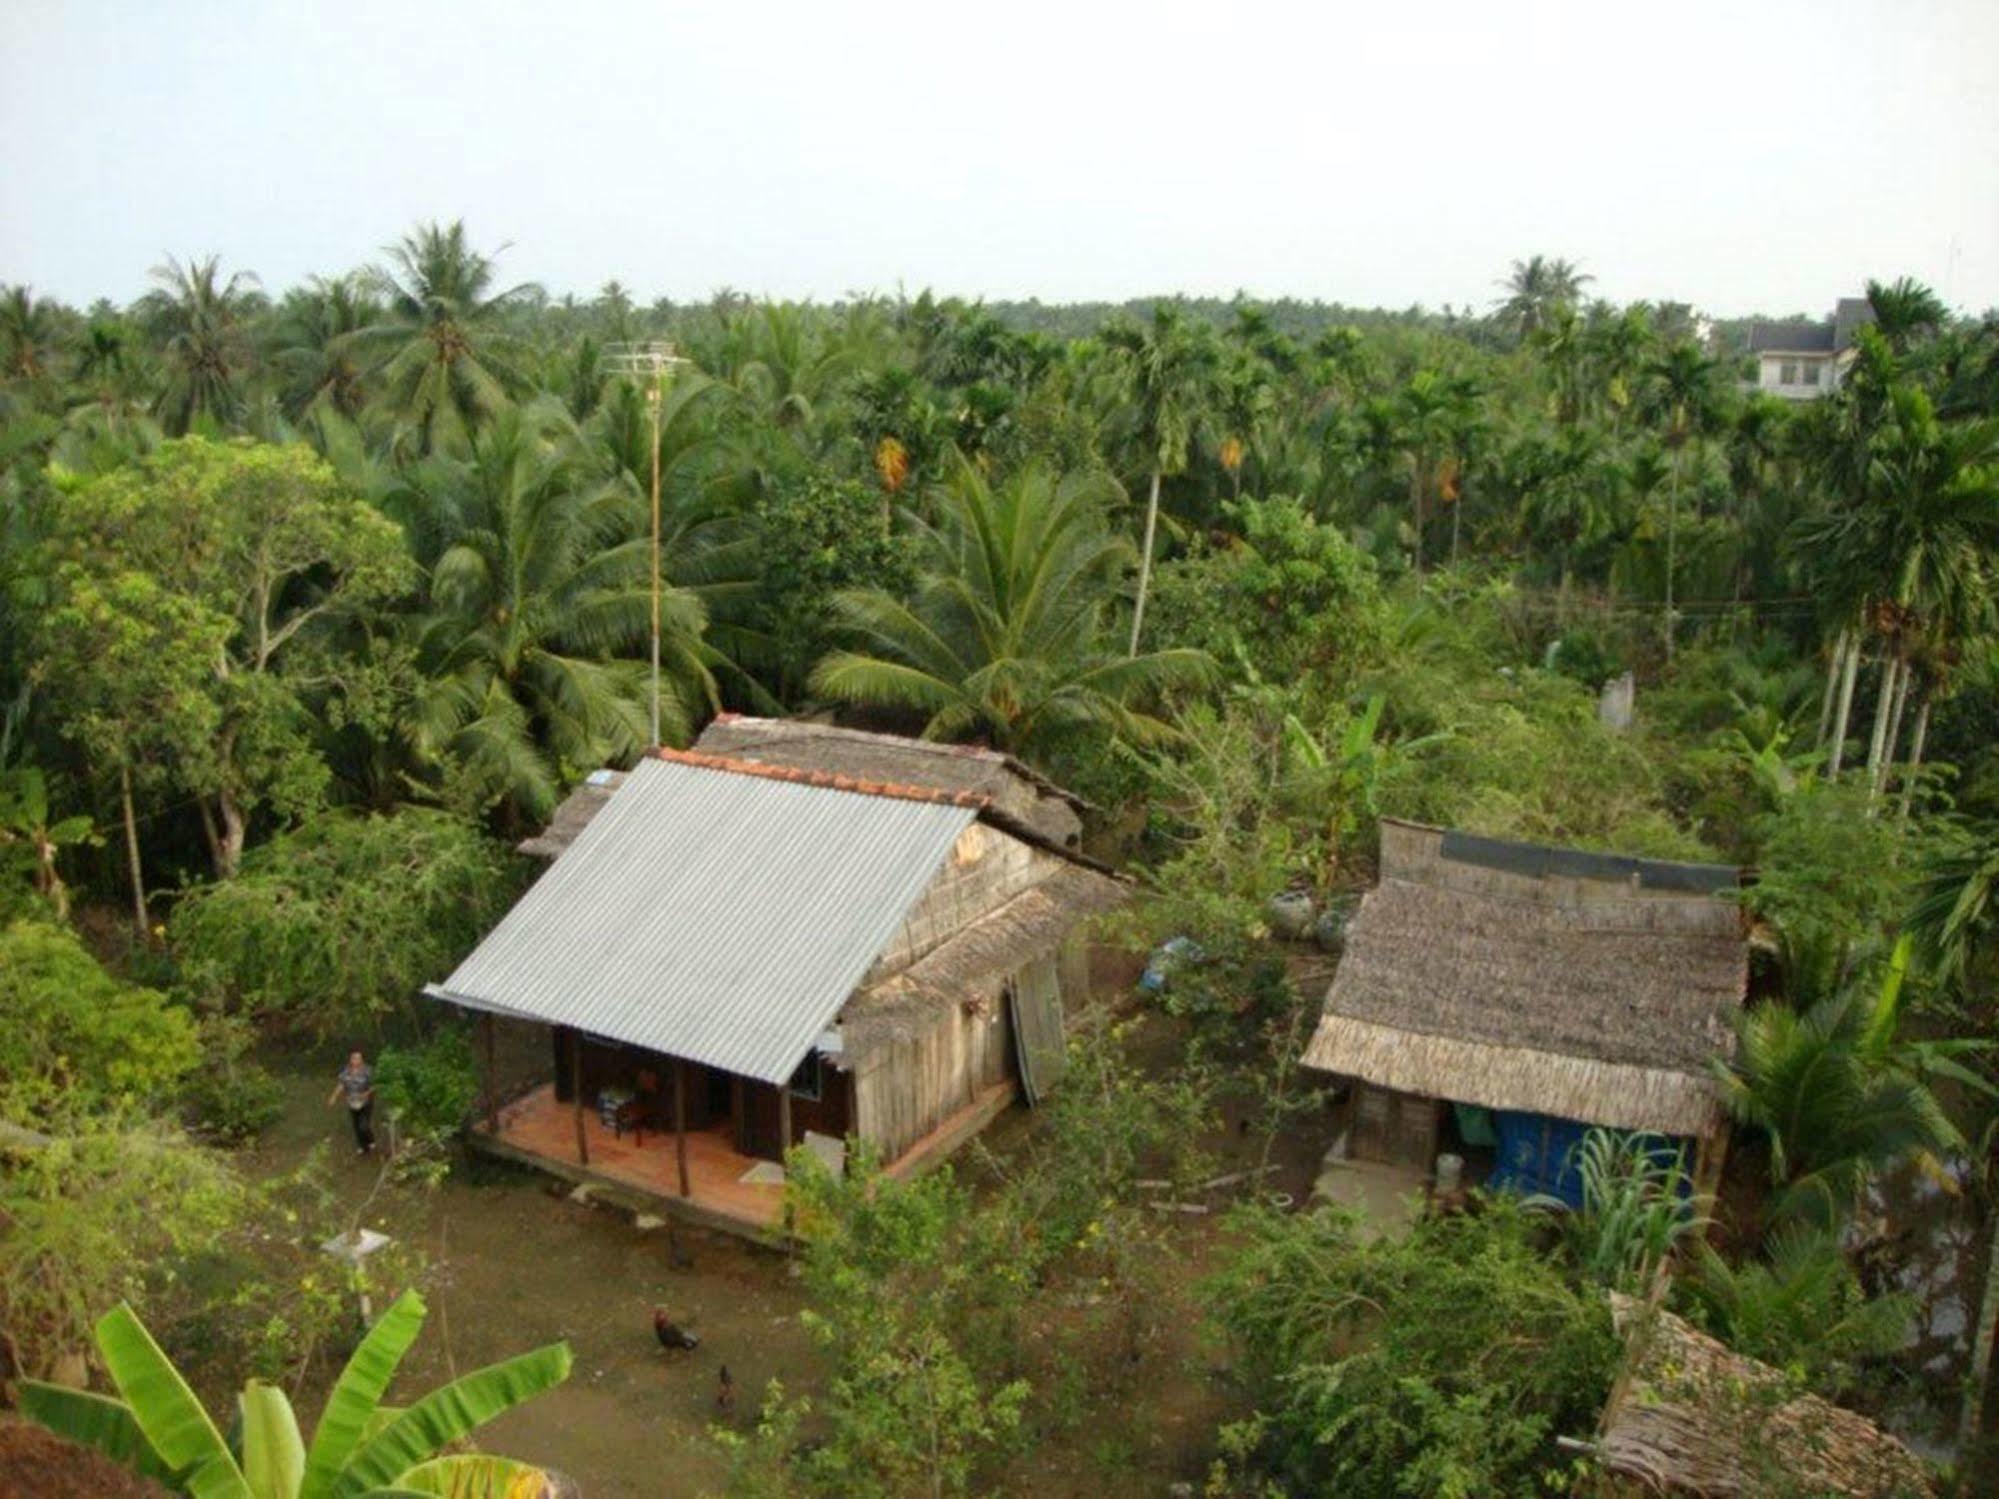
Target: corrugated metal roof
[[719, 917]]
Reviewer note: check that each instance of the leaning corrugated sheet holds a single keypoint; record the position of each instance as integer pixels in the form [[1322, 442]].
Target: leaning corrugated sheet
[[717, 917]]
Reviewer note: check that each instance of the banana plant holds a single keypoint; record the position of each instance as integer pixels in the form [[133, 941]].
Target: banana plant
[[361, 1448]]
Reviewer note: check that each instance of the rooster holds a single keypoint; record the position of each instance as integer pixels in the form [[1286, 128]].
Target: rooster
[[671, 1337]]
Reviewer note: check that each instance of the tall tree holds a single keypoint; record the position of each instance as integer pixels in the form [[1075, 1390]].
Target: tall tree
[[248, 545], [1535, 287], [1006, 636], [1685, 393], [1168, 371], [444, 353], [198, 316], [531, 646]]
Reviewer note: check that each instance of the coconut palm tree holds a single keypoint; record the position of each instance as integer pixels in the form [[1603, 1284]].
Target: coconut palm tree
[[1431, 416], [361, 1448], [1905, 311], [27, 334], [1840, 1093], [1006, 637], [1535, 287], [532, 642], [1168, 372], [441, 351], [198, 316], [315, 353]]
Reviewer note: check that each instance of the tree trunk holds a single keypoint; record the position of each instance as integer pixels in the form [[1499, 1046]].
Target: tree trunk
[[1845, 713], [1831, 693], [1672, 547], [1882, 771], [132, 853], [1416, 505], [1922, 733], [1884, 705], [229, 837], [1145, 562], [1980, 1373]]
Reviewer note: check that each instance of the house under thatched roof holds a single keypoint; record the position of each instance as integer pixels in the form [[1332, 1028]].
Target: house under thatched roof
[[1008, 786], [1584, 986], [1691, 1417]]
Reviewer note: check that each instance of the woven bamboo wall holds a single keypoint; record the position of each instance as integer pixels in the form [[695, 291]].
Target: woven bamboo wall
[[915, 1082], [987, 868]]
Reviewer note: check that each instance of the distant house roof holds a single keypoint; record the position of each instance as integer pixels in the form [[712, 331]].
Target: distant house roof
[[1791, 338], [1831, 335], [1518, 976], [720, 916], [1009, 785], [1848, 318], [1693, 1417]]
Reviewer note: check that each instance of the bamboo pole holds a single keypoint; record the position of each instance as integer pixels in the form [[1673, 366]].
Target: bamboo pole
[[783, 1120]]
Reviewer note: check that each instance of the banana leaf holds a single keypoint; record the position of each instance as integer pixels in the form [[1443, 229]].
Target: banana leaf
[[475, 1476], [449, 1413], [343, 1425], [95, 1421], [273, 1454], [178, 1429]]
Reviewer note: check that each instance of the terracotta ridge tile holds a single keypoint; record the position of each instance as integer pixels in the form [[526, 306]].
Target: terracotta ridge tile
[[826, 780]]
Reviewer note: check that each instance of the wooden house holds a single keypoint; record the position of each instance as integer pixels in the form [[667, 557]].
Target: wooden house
[[792, 934], [1555, 988]]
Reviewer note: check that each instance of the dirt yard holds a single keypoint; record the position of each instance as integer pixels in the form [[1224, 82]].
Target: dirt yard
[[514, 1263]]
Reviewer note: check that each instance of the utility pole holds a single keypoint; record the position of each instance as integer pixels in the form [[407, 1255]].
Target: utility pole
[[638, 360]]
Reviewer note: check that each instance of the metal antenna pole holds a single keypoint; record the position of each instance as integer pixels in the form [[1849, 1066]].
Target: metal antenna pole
[[658, 400], [636, 361]]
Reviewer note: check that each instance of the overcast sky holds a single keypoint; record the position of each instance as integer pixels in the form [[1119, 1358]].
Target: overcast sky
[[1743, 156]]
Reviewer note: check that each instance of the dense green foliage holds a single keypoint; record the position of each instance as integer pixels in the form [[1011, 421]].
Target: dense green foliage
[[335, 924], [1443, 1363], [74, 1038], [312, 601]]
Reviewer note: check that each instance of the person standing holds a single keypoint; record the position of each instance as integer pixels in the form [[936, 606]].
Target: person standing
[[357, 1085]]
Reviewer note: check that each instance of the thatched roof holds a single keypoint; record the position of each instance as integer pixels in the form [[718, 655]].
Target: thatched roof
[[582, 804], [1691, 1417], [1031, 925], [1010, 785], [1474, 979], [1014, 791]]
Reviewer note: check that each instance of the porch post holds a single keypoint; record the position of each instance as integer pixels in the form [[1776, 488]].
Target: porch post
[[492, 1095], [576, 1093], [783, 1119], [680, 1123]]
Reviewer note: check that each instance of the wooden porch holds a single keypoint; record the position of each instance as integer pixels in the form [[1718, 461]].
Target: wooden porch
[[538, 1129]]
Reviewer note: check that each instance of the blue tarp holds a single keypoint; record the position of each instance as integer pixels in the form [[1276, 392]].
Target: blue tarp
[[1537, 1156]]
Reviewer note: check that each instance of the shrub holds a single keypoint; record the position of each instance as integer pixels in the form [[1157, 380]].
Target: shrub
[[429, 1087], [1442, 1363], [335, 924], [230, 1096], [72, 1034]]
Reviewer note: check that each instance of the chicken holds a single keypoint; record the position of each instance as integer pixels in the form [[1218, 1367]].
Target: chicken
[[671, 1337], [725, 1394]]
